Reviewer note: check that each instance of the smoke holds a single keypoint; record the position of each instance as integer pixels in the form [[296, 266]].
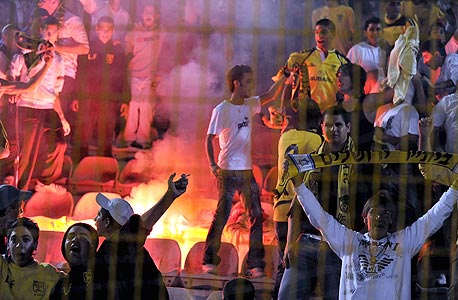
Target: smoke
[[204, 39]]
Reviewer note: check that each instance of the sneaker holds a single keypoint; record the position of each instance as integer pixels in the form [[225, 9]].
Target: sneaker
[[255, 273], [50, 188], [210, 269]]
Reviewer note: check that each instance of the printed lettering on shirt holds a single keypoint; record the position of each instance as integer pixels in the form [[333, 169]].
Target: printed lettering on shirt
[[244, 123], [147, 39]]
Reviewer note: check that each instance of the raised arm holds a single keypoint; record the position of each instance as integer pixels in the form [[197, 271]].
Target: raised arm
[[175, 189]]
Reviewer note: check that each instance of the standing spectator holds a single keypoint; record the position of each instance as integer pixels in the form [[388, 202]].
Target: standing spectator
[[43, 122], [103, 92], [317, 67], [343, 17], [376, 265], [11, 203], [143, 45], [304, 133], [22, 277], [231, 123], [308, 258], [369, 55], [73, 41]]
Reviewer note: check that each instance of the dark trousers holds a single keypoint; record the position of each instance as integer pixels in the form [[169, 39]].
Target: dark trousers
[[42, 146], [96, 122], [228, 183]]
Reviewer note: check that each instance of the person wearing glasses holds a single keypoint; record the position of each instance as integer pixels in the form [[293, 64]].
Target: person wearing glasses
[[376, 264]]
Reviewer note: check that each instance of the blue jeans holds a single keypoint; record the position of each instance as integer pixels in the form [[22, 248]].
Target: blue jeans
[[315, 262], [228, 183]]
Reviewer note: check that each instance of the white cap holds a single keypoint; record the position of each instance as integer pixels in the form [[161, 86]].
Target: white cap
[[118, 208]]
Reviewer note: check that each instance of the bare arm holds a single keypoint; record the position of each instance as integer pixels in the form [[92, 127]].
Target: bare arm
[[60, 113], [211, 154], [175, 189], [274, 91], [76, 48]]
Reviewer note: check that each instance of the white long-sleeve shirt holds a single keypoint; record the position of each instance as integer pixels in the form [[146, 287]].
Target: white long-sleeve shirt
[[383, 273]]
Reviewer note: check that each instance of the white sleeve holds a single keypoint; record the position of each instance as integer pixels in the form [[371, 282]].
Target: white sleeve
[[439, 113], [339, 237], [414, 236]]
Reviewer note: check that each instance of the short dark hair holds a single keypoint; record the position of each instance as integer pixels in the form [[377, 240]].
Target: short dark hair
[[51, 20], [236, 73], [432, 46], [358, 76], [239, 289], [93, 235], [107, 215], [337, 110], [371, 20], [438, 24], [381, 198], [105, 19], [27, 223], [326, 23]]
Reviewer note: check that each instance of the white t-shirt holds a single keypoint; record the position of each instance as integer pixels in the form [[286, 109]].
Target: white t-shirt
[[232, 124], [382, 271], [397, 121], [45, 94], [72, 31], [445, 114], [368, 57]]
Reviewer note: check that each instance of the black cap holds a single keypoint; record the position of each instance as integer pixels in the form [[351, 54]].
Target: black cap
[[10, 195]]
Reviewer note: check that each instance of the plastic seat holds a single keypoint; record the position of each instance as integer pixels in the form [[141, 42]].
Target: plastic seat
[[86, 208], [94, 174], [216, 295], [49, 205], [131, 175], [177, 293], [49, 247], [166, 254], [193, 275]]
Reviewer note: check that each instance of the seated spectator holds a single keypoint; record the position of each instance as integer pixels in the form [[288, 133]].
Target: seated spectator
[[21, 276], [11, 202], [79, 246], [239, 289], [377, 264]]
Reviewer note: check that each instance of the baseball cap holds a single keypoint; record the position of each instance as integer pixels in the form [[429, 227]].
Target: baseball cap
[[118, 208], [9, 195]]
